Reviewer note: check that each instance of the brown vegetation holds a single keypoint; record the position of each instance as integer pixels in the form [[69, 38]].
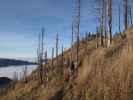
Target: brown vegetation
[[103, 74]]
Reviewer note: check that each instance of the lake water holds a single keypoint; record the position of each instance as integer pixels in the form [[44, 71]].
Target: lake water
[[10, 71]]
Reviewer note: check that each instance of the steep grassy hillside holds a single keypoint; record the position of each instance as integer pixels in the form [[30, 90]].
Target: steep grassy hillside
[[102, 74]]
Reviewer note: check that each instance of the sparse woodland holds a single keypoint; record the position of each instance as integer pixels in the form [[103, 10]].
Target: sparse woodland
[[98, 66]]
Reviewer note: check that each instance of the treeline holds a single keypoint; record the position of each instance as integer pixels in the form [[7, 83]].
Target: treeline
[[10, 62]]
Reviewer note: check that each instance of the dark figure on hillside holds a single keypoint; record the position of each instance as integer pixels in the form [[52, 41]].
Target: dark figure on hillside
[[72, 67]]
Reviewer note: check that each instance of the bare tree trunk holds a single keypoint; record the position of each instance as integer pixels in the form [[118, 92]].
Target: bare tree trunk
[[110, 22], [45, 70], [52, 58], [105, 23], [89, 36], [46, 58], [57, 40], [101, 36], [102, 22], [101, 17], [15, 77], [72, 44], [25, 74], [97, 36], [86, 40], [38, 49], [119, 19], [125, 13], [62, 56], [41, 57], [78, 30], [130, 12]]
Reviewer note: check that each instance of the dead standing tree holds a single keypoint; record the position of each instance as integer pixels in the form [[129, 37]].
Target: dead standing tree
[[38, 48], [119, 14], [130, 16], [100, 16], [62, 60], [77, 29], [86, 41], [102, 23], [72, 40], [109, 22], [52, 59], [40, 55], [45, 69], [97, 36], [57, 43], [25, 71], [104, 8], [62, 56], [105, 22], [125, 9], [15, 76], [41, 60]]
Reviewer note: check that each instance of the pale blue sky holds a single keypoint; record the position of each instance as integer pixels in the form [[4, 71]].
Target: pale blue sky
[[22, 20]]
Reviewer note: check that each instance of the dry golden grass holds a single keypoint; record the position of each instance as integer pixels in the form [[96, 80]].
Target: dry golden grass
[[103, 74], [112, 73]]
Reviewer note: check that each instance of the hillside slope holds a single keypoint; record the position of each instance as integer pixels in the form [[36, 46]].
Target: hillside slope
[[103, 74]]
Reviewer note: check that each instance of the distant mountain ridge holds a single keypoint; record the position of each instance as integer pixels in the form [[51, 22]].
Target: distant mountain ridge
[[4, 62]]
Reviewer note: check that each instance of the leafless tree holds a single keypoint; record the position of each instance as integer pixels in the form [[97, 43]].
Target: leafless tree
[[125, 9], [62, 55], [72, 40], [119, 12], [57, 43], [25, 74], [130, 15], [105, 22], [15, 77], [45, 70], [104, 8], [97, 36], [52, 58], [110, 22], [40, 50], [77, 28], [86, 40], [101, 16], [46, 57], [102, 22]]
